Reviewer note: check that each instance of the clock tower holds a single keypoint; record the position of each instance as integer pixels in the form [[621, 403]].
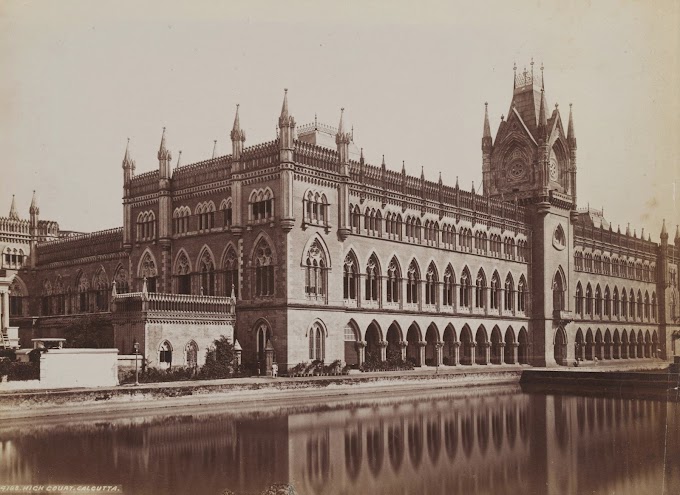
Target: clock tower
[[533, 161]]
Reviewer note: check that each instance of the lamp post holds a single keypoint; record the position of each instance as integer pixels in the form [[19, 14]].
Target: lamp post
[[136, 347]]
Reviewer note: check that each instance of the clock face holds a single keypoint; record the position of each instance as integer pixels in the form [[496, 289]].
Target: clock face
[[553, 170]]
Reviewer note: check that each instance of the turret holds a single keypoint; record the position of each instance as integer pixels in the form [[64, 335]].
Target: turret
[[164, 157], [664, 233], [128, 165], [286, 164], [13, 214], [238, 137], [33, 228], [487, 144], [342, 140]]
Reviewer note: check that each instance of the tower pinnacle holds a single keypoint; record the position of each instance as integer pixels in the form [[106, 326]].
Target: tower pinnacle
[[34, 210], [13, 214], [236, 133], [163, 153], [664, 232], [571, 136], [214, 154]]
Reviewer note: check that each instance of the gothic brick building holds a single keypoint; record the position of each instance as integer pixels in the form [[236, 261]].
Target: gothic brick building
[[330, 257]]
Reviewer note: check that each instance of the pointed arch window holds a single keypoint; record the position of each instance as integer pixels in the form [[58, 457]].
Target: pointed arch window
[[393, 280], [349, 280], [598, 301], [316, 270], [412, 282], [227, 213], [165, 354], [558, 292], [465, 289], [191, 354], [448, 287], [624, 303], [509, 293], [315, 207], [146, 226], [16, 299], [83, 294], [183, 271], [101, 293], [654, 306], [579, 299], [615, 302], [431, 285], [640, 305], [356, 219], [207, 275], [480, 286], [317, 342], [261, 205], [589, 300], [495, 292], [264, 270], [521, 295], [631, 302], [231, 281], [372, 278], [647, 305], [607, 302]]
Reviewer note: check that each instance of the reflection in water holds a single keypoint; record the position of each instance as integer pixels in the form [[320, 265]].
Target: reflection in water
[[496, 443]]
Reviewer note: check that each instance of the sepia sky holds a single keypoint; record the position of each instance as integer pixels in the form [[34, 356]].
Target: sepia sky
[[79, 77]]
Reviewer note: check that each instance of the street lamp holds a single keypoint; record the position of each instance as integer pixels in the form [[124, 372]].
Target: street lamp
[[136, 347]]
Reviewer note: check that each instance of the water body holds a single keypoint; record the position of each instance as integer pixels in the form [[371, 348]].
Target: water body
[[483, 440]]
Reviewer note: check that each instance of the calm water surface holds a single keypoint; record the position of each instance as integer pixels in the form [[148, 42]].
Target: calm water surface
[[488, 440]]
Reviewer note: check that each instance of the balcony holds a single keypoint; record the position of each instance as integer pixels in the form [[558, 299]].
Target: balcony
[[160, 305]]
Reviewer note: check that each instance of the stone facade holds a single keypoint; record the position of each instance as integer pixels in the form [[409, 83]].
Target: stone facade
[[332, 258]]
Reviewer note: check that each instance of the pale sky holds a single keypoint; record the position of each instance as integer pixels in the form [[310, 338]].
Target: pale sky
[[79, 77]]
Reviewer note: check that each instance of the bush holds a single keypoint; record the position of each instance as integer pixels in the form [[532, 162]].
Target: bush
[[8, 353], [298, 368], [219, 361], [23, 371], [5, 365], [153, 375], [89, 332]]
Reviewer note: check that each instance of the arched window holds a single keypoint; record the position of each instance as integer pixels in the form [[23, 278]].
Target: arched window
[[509, 293], [480, 287], [521, 294], [315, 208], [607, 302], [631, 302], [598, 301], [147, 270], [412, 282], [261, 205], [264, 269], [146, 226], [615, 302], [356, 219], [558, 292], [624, 303], [100, 284], [431, 285], [465, 289], [207, 274], [372, 278], [640, 305], [83, 288], [16, 298], [227, 215], [316, 269], [317, 342], [579, 299], [183, 273], [231, 281], [350, 279], [495, 291], [263, 334], [654, 306], [165, 354], [647, 305], [393, 281], [448, 286], [589, 300]]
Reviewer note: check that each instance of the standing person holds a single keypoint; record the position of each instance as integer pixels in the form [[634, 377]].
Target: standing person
[[275, 370]]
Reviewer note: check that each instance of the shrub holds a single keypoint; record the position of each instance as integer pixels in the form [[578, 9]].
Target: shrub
[[23, 371], [89, 332], [152, 375], [5, 365], [8, 353], [219, 361]]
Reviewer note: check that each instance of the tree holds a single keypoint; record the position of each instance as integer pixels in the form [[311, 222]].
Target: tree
[[89, 332], [219, 360]]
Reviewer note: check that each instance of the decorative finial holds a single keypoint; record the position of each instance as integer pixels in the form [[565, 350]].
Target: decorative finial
[[316, 123], [163, 153], [33, 210], [179, 159], [13, 213], [214, 155]]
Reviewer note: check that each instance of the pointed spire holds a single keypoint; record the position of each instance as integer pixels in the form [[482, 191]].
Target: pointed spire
[[284, 118], [663, 229], [403, 167], [457, 186], [214, 155], [179, 159], [163, 153], [440, 179], [571, 135], [34, 210], [487, 127], [677, 233], [361, 155], [13, 214], [236, 133], [422, 173], [473, 187], [341, 128], [542, 118], [382, 164], [628, 229], [127, 160]]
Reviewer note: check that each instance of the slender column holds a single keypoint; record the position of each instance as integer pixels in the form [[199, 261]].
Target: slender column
[[421, 352], [486, 348], [5, 310], [473, 357], [402, 348], [514, 347], [438, 354], [456, 353], [501, 353], [383, 350], [361, 345]]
